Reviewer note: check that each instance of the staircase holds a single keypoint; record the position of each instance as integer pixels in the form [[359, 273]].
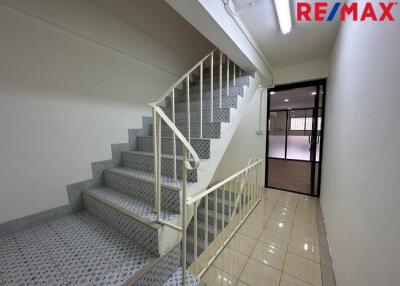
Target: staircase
[[139, 202]]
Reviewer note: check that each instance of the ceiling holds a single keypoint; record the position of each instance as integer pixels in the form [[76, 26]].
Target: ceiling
[[307, 42]]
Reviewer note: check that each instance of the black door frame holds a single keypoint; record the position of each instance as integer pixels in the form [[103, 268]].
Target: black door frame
[[317, 83]]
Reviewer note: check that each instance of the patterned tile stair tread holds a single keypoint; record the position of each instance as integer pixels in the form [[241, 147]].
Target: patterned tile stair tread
[[149, 177], [75, 250], [176, 279], [151, 154], [131, 204]]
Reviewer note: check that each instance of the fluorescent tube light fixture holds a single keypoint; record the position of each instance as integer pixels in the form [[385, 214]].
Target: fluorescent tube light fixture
[[285, 20]]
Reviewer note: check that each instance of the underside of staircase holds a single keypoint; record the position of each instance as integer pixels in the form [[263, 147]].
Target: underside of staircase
[[116, 239]]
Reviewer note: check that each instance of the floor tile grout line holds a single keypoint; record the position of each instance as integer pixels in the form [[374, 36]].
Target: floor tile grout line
[[284, 260], [64, 275]]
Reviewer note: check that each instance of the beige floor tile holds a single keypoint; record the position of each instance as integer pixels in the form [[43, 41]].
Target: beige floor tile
[[269, 255], [258, 274], [288, 280], [279, 226], [305, 232], [304, 249], [274, 238], [306, 221], [242, 243], [257, 219], [263, 210], [283, 215], [289, 205], [303, 269], [216, 277], [240, 283], [251, 229], [231, 261]]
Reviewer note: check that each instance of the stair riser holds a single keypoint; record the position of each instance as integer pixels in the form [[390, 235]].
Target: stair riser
[[146, 163], [219, 115], [202, 147], [210, 130], [141, 233], [142, 190], [195, 93], [227, 102], [244, 80]]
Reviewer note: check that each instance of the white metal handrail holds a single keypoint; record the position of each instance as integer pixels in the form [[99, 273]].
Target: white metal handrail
[[247, 196], [190, 158]]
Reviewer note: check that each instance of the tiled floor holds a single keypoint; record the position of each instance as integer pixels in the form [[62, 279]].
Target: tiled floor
[[283, 242]]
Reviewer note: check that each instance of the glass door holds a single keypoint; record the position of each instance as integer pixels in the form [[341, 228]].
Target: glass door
[[294, 138]]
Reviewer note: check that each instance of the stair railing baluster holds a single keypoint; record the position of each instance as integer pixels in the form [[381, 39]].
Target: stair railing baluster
[[173, 135], [230, 200], [158, 167], [155, 150], [223, 207], [206, 221], [234, 74], [227, 76], [212, 87], [220, 79], [183, 214], [215, 214], [188, 105], [201, 100], [196, 237]]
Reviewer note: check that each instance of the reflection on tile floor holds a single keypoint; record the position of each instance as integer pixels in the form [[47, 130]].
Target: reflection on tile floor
[[75, 250], [282, 243]]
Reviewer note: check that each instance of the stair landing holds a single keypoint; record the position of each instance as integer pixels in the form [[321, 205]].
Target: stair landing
[[78, 249]]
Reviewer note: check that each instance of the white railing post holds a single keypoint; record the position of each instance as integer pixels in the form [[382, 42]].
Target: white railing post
[[173, 135], [220, 79], [155, 150], [212, 88], [195, 237], [234, 74], [230, 200], [158, 200], [206, 221], [223, 207], [201, 100], [183, 214], [188, 106], [227, 76], [215, 214]]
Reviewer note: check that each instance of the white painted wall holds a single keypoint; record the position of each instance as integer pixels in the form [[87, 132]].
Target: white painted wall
[[73, 79], [302, 72], [245, 143], [360, 177]]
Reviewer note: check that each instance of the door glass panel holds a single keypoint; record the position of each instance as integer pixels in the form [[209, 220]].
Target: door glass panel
[[277, 134], [298, 145], [294, 129]]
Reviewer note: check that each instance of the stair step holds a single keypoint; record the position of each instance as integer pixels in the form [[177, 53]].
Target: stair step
[[55, 252], [176, 279], [195, 93], [132, 217], [226, 101], [140, 184], [144, 161], [211, 130], [201, 146], [219, 115]]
